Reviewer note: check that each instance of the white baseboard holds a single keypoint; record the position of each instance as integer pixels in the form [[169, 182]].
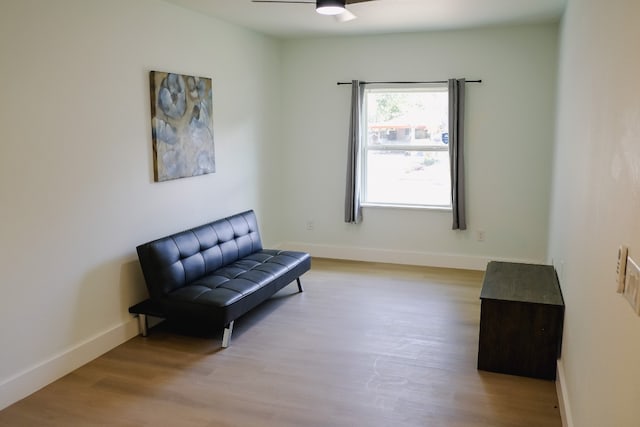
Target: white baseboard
[[34, 378], [466, 262], [563, 397]]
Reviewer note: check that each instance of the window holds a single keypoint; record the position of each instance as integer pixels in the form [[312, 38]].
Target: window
[[405, 156]]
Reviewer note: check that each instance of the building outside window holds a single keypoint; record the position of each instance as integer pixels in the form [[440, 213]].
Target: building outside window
[[405, 156]]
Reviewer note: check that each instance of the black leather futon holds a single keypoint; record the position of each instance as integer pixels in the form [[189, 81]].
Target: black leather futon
[[214, 273]]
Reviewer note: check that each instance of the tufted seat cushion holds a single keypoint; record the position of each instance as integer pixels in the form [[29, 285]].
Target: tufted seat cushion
[[232, 290]]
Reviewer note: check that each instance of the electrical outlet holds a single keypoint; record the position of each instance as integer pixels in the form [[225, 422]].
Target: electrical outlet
[[310, 225], [621, 267], [632, 285], [480, 235]]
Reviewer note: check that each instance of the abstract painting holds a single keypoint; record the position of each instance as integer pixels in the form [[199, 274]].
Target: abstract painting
[[182, 126]]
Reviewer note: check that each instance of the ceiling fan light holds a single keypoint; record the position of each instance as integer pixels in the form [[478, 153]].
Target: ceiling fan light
[[330, 7]]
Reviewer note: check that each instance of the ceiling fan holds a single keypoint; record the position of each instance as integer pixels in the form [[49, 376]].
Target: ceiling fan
[[325, 7]]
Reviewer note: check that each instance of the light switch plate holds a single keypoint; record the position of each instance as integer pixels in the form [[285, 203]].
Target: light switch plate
[[621, 267], [632, 285]]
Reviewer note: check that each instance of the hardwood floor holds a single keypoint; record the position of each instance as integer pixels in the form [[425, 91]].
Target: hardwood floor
[[364, 345]]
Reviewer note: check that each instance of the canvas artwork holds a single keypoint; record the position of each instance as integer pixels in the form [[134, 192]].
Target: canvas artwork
[[182, 126]]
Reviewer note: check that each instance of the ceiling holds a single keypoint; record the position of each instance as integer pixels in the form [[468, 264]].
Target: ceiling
[[377, 16]]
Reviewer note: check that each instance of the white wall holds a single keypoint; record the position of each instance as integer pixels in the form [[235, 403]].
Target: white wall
[[595, 207], [76, 165], [509, 137]]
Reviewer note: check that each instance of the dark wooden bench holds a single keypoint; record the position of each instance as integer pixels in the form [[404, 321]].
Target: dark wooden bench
[[521, 319]]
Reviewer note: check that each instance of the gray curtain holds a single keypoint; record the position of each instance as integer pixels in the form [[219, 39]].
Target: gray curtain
[[352, 208], [456, 152]]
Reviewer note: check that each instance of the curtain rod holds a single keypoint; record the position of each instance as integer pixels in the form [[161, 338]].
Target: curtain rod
[[407, 83]]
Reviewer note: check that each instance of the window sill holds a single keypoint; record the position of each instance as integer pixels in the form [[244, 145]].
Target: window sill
[[411, 207]]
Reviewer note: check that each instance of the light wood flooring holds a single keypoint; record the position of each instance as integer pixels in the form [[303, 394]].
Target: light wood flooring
[[364, 345]]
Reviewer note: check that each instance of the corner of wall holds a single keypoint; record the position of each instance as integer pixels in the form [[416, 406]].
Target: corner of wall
[[563, 397]]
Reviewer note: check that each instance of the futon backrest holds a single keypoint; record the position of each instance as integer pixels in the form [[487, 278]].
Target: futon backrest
[[177, 260]]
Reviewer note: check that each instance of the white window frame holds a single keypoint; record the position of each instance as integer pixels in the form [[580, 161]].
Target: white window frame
[[396, 147]]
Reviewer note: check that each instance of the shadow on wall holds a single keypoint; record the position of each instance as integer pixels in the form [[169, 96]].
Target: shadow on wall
[[132, 286], [104, 297]]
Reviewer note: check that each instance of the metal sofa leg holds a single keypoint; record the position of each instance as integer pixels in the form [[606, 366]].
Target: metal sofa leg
[[300, 288], [142, 324], [226, 337]]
